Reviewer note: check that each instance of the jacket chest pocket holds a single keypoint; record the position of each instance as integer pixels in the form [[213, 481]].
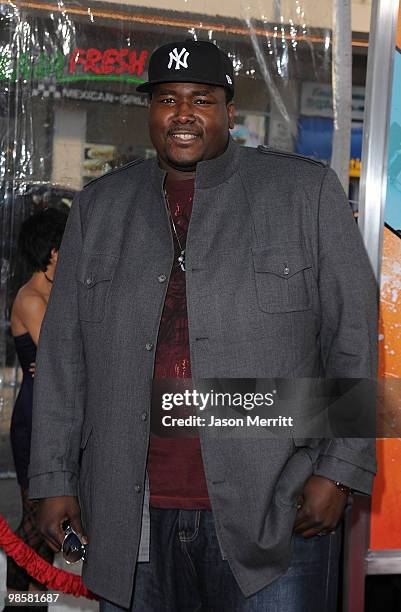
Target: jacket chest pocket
[[85, 475], [282, 278], [94, 275]]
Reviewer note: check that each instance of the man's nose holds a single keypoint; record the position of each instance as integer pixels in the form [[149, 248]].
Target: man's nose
[[184, 112]]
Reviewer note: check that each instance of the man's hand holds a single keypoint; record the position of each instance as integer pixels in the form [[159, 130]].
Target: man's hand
[[322, 507], [51, 513]]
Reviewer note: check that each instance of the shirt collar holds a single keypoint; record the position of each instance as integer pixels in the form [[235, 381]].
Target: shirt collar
[[209, 173]]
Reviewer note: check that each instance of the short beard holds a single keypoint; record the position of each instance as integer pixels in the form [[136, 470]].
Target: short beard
[[182, 166]]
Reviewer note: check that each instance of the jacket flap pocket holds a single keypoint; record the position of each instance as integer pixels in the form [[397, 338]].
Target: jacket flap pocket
[[94, 268], [281, 261], [86, 432], [295, 473]]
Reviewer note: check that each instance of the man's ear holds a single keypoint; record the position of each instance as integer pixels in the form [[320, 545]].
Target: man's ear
[[231, 114]]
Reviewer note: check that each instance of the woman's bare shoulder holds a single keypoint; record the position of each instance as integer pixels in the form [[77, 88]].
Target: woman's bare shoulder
[[28, 301]]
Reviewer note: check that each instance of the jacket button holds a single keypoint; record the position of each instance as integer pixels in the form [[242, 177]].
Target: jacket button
[[149, 346], [286, 270], [138, 488], [144, 416], [89, 280], [161, 278]]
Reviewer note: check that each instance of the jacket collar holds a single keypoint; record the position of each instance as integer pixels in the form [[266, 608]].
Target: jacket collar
[[209, 173]]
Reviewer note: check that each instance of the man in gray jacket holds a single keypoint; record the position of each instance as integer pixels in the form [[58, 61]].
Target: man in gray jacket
[[211, 261]]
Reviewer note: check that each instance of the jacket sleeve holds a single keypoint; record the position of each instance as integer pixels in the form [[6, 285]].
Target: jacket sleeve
[[348, 335], [59, 388]]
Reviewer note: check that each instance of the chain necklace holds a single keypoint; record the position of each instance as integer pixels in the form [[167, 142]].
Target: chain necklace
[[181, 257], [47, 278]]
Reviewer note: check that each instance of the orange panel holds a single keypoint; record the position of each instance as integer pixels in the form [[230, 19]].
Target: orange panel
[[386, 502], [385, 523]]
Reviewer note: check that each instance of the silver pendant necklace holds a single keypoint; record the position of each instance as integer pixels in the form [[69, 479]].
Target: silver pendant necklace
[[181, 257]]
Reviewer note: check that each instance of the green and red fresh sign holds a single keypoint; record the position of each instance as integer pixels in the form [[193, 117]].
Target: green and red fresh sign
[[90, 64], [111, 61]]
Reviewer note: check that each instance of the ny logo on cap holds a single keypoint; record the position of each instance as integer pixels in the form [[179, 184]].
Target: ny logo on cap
[[176, 57]]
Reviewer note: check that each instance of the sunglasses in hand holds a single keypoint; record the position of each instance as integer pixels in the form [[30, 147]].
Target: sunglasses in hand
[[72, 547]]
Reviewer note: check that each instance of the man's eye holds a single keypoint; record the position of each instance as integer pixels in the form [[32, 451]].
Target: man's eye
[[167, 101], [201, 101]]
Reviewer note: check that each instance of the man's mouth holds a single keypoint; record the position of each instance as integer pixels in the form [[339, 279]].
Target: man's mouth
[[184, 136]]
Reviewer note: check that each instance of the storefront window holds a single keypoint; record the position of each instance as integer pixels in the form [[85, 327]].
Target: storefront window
[[69, 110]]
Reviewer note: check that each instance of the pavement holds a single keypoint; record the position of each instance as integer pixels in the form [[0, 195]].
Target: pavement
[[10, 502], [10, 508]]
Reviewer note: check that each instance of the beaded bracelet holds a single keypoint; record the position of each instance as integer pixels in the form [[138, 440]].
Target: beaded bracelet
[[343, 488]]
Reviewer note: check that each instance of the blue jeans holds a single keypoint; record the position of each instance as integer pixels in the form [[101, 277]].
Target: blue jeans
[[186, 572]]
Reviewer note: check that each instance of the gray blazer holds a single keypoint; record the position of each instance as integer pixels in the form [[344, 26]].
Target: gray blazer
[[254, 213]]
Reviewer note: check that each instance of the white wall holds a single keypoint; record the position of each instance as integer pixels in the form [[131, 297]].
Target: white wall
[[68, 146], [317, 13]]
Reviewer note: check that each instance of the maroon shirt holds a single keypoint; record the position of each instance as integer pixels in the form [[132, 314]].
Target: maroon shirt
[[175, 466]]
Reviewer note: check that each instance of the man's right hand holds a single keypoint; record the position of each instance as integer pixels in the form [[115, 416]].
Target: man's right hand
[[52, 512]]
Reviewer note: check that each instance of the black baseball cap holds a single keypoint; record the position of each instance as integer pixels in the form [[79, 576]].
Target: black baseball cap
[[189, 61]]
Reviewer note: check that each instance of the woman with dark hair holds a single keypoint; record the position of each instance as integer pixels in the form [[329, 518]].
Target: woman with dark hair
[[39, 243]]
